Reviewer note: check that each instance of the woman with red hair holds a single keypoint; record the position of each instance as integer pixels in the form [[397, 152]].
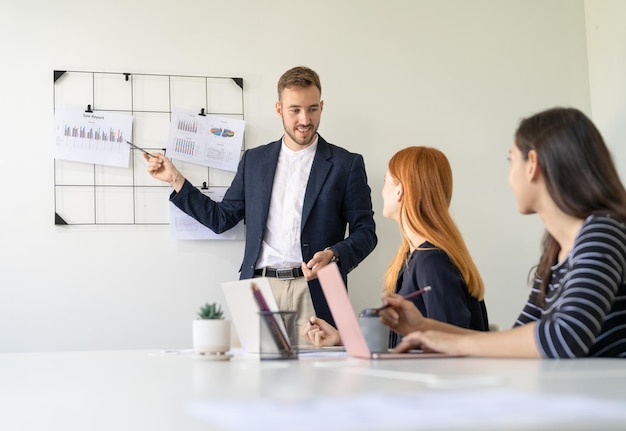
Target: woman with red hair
[[417, 193]]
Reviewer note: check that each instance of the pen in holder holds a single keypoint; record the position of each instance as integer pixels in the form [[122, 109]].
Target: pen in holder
[[279, 335]]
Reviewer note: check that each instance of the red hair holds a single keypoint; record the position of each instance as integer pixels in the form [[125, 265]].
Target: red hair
[[426, 178]]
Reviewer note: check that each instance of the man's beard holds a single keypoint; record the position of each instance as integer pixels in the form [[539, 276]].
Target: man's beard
[[302, 141]]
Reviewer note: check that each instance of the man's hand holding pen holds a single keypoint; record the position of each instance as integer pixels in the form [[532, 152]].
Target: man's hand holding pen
[[161, 168]]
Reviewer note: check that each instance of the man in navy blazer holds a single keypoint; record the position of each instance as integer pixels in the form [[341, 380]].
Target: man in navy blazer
[[296, 196]]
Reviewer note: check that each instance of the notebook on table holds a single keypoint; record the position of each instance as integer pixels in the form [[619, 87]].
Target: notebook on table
[[244, 310], [348, 324]]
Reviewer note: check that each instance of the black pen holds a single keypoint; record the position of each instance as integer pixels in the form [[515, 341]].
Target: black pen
[[409, 296], [139, 148]]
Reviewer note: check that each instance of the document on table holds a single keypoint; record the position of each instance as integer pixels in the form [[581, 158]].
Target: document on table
[[474, 409]]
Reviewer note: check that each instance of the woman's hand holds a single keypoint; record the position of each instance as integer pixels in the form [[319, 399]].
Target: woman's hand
[[402, 315], [432, 341], [320, 333]]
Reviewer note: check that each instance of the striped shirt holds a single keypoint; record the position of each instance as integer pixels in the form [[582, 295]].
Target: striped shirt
[[584, 311]]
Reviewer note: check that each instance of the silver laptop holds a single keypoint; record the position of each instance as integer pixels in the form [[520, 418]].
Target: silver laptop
[[347, 323], [244, 310]]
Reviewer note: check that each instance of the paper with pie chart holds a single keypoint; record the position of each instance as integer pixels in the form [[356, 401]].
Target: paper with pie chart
[[207, 140]]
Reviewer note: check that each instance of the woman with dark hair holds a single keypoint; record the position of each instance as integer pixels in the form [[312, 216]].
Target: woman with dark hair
[[560, 169], [416, 194]]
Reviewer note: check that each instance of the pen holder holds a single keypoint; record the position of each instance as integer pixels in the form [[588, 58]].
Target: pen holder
[[376, 334], [279, 335]]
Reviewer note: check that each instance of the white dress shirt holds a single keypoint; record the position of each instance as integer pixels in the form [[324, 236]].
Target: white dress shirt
[[281, 245]]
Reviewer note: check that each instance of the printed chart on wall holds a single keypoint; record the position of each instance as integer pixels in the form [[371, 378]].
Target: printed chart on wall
[[92, 137], [104, 124], [206, 140], [183, 226]]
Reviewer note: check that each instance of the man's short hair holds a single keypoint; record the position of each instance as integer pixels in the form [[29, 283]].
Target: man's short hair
[[299, 77]]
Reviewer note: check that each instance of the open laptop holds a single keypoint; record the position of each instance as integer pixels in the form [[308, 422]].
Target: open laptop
[[244, 310], [347, 323]]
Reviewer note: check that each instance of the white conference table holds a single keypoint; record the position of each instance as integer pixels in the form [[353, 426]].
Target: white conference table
[[325, 391]]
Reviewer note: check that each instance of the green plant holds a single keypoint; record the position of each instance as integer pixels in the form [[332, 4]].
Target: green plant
[[211, 312]]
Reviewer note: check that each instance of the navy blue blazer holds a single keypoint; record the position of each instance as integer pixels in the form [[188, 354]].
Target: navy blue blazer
[[337, 196]]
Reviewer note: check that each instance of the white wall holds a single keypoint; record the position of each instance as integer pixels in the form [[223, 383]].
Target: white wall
[[606, 42], [456, 75]]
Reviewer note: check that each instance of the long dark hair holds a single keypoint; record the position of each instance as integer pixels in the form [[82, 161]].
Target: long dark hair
[[577, 168]]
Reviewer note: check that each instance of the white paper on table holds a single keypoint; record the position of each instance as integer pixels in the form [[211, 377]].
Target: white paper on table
[[496, 408]]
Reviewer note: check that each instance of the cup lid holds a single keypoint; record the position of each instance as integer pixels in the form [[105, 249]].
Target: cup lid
[[369, 312]]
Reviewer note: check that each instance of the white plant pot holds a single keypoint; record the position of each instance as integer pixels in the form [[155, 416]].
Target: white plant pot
[[211, 336]]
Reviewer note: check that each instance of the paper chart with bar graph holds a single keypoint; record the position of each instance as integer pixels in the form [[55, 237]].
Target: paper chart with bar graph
[[183, 226], [206, 140], [92, 137]]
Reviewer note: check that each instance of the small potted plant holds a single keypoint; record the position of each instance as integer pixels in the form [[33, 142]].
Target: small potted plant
[[211, 332]]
